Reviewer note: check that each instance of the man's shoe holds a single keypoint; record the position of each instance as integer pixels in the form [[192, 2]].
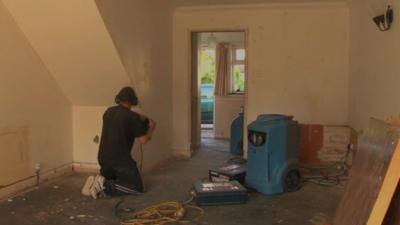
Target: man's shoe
[[97, 189], [87, 186]]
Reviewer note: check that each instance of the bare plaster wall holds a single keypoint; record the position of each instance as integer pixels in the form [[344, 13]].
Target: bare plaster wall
[[374, 67], [297, 61], [141, 32], [35, 116]]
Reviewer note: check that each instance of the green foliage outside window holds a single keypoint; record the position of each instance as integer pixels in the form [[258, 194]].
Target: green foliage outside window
[[207, 66], [207, 70], [238, 79]]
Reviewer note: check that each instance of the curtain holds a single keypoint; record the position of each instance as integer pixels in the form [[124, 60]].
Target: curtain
[[223, 69]]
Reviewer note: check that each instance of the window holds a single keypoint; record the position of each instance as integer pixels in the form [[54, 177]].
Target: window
[[206, 71], [238, 70], [240, 54]]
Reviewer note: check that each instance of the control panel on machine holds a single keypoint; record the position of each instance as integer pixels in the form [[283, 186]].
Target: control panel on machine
[[220, 193], [257, 138]]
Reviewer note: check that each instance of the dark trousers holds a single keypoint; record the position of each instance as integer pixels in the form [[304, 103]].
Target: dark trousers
[[121, 179]]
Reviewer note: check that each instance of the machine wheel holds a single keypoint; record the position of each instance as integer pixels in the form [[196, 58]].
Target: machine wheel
[[292, 181]]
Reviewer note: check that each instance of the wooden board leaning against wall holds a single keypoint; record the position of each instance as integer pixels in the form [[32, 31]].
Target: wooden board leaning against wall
[[370, 188]]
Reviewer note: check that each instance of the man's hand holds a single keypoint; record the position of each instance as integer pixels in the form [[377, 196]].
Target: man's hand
[[148, 136], [152, 125]]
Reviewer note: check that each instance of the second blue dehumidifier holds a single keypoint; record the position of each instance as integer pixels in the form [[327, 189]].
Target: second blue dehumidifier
[[272, 165], [236, 145]]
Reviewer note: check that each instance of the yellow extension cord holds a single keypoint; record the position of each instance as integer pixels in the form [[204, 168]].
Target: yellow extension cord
[[164, 213]]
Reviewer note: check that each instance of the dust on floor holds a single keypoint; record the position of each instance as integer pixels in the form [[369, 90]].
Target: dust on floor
[[60, 202]]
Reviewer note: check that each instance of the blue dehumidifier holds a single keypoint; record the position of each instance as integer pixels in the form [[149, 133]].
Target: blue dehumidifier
[[236, 144], [272, 165]]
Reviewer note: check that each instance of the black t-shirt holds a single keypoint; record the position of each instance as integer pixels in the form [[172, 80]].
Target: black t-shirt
[[120, 128]]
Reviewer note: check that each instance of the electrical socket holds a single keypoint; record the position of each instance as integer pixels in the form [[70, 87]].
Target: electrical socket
[[38, 167]]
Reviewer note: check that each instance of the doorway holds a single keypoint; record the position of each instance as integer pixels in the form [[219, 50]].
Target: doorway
[[218, 83]]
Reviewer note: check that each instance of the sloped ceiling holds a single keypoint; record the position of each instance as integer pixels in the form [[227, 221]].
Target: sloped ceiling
[[71, 39], [180, 3], [142, 33], [74, 44]]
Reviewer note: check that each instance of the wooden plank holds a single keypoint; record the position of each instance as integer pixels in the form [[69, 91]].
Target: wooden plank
[[388, 189], [367, 174], [393, 214]]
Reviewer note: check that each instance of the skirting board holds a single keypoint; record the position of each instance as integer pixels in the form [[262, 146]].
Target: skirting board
[[77, 167], [27, 184], [222, 137], [82, 167], [181, 153]]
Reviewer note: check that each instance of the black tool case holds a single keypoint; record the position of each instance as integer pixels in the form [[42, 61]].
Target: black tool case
[[228, 172], [220, 193]]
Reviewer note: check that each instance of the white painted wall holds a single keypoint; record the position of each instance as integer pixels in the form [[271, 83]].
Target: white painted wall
[[35, 116], [226, 110], [298, 61], [87, 123], [72, 40], [375, 67]]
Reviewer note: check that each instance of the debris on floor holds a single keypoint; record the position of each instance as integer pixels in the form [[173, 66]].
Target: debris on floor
[[171, 182], [319, 219]]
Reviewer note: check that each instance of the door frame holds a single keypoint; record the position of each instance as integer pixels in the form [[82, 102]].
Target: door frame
[[195, 109]]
